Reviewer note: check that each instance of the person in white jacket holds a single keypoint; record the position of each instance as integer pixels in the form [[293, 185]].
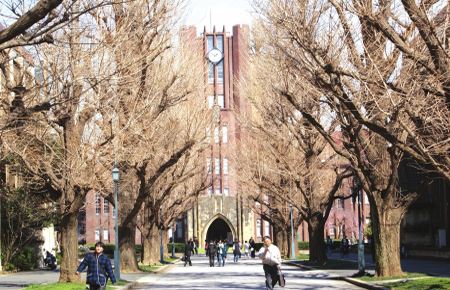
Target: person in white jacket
[[271, 260]]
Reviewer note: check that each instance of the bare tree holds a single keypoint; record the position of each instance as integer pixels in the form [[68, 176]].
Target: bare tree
[[366, 83]]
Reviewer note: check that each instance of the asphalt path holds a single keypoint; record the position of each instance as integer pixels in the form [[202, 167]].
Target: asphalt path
[[246, 274]]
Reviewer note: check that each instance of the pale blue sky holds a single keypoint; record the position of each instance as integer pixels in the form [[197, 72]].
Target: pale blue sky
[[223, 12]]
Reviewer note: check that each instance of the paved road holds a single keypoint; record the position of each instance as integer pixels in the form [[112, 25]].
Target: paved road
[[247, 274]]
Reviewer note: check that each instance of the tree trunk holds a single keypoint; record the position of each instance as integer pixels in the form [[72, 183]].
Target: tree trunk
[[280, 239], [150, 246], [69, 249], [386, 234], [127, 234], [317, 251]]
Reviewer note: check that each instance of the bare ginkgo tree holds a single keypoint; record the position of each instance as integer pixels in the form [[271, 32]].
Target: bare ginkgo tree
[[382, 72]]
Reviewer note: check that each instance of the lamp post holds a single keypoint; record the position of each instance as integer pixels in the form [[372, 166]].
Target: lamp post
[[161, 246], [116, 179], [173, 240], [361, 257], [292, 233]]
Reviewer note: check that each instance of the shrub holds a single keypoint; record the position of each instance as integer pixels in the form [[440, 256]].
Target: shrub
[[303, 245], [179, 248], [26, 260]]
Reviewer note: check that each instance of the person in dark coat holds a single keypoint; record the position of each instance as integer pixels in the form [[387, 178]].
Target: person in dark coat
[[188, 248], [252, 247], [212, 249], [98, 268]]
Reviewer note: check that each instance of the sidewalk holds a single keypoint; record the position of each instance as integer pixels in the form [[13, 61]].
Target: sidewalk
[[19, 280], [349, 267]]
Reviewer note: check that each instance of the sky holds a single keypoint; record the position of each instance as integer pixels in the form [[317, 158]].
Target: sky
[[222, 12]]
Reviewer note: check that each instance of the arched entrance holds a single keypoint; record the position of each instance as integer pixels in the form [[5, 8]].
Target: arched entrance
[[219, 230]]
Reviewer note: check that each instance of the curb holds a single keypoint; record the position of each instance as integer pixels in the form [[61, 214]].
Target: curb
[[162, 269], [347, 279]]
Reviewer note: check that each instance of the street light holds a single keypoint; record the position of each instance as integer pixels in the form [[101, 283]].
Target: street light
[[361, 257], [292, 233], [116, 179], [161, 246], [173, 240]]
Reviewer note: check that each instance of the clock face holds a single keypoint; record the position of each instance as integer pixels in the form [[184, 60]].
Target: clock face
[[214, 55]]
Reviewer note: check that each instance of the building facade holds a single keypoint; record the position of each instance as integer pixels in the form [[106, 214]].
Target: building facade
[[221, 212]]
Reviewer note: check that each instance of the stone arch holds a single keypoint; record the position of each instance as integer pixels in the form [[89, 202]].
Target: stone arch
[[213, 219]]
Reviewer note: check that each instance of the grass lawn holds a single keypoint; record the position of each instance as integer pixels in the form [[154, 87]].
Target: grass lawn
[[407, 275], [156, 266], [70, 286], [421, 284], [303, 257]]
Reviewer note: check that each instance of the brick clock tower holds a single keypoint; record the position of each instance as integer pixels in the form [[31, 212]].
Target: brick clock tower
[[220, 212]]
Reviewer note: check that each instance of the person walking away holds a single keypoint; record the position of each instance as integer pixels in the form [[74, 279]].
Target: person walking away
[[271, 260], [196, 245], [187, 253], [212, 249], [252, 247], [246, 249], [206, 248], [224, 252], [329, 245], [236, 250], [219, 252], [98, 268]]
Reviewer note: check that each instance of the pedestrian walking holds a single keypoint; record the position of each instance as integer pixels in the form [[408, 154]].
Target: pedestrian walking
[[224, 252], [187, 253], [196, 245], [271, 260], [206, 248], [219, 252], [98, 268], [236, 250], [212, 249], [252, 247], [329, 243], [246, 249]]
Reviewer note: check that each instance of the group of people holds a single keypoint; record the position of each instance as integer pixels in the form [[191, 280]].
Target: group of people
[[100, 270]]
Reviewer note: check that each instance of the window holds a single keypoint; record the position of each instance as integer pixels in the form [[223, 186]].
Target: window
[[210, 101], [225, 166], [208, 165], [217, 166], [340, 203], [331, 230], [219, 39], [224, 134], [105, 235], [210, 190], [258, 228], [97, 235], [210, 42], [97, 203], [266, 228], [218, 191], [366, 198], [210, 73], [226, 191], [216, 135], [105, 206], [221, 101], [220, 72]]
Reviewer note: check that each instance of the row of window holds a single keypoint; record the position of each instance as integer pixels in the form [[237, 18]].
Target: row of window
[[98, 205], [340, 202], [105, 235], [219, 42], [217, 134], [209, 165], [220, 101], [226, 191], [266, 228]]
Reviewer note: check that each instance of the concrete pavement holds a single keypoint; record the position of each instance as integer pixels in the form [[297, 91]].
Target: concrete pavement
[[246, 274]]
